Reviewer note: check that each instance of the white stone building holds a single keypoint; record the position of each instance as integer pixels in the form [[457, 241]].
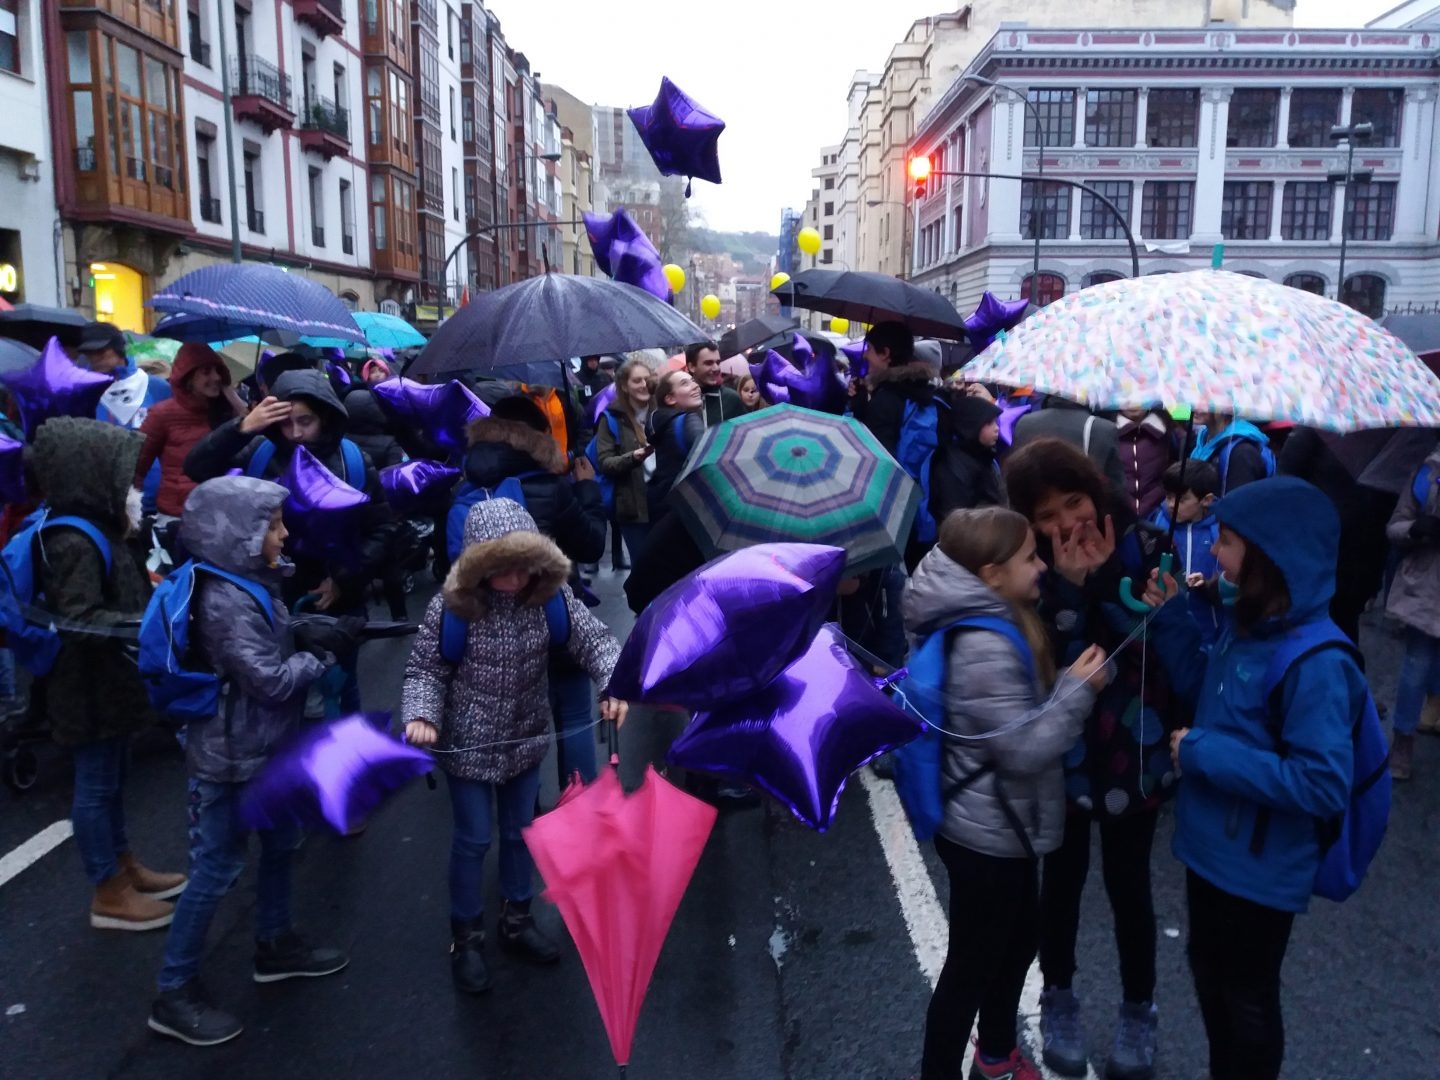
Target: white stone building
[[28, 220]]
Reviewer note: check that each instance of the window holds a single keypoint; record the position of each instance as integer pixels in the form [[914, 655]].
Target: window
[[205, 177], [1383, 109], [1051, 288], [1253, 118], [828, 255], [1097, 221], [82, 101], [1370, 208], [455, 194], [1312, 114], [317, 207], [1110, 117], [452, 114], [450, 31], [1245, 210], [377, 212], [375, 105], [195, 32], [1056, 110], [340, 86], [1305, 211], [10, 36], [829, 232], [829, 183], [1054, 211], [254, 215], [347, 218], [1165, 209], [1311, 283], [1172, 118], [1100, 277], [829, 209], [1365, 293]]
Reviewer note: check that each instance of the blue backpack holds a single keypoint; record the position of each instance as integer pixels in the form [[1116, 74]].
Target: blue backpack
[[919, 437], [468, 494], [921, 692], [36, 644], [592, 451], [1227, 447], [174, 688], [454, 630], [1422, 485], [351, 459], [1348, 843]]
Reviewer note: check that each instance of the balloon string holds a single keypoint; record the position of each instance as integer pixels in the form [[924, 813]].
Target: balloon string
[[516, 742]]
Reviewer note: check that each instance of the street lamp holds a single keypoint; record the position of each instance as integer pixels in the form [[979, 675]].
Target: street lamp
[[1350, 135], [904, 227]]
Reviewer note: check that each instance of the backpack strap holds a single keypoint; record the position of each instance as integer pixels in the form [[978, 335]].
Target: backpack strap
[[252, 589], [260, 460], [353, 462], [557, 620], [1421, 485], [454, 630], [79, 524], [678, 430]]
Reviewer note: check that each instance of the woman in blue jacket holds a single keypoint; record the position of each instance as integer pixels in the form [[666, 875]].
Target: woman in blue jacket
[[1249, 804]]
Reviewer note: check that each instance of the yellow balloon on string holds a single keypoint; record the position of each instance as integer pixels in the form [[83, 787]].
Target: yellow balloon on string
[[778, 280], [710, 306], [675, 275], [808, 240], [839, 326]]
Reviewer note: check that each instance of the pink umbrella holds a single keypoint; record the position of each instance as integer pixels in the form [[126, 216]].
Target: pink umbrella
[[737, 366], [616, 867]]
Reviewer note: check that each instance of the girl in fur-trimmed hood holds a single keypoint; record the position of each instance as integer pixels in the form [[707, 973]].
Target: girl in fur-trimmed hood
[[488, 716]]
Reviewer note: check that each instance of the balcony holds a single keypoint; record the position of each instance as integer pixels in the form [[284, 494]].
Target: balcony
[[210, 210], [325, 128], [255, 219], [317, 235], [347, 244], [262, 94], [325, 17]]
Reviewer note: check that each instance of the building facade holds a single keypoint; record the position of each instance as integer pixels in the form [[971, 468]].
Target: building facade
[[1199, 138], [29, 270], [577, 172]]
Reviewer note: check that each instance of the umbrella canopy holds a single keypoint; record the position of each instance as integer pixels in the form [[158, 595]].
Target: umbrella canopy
[[736, 366], [552, 317], [755, 332], [5, 305], [1381, 458], [142, 347], [36, 324], [869, 297], [616, 867], [230, 300], [790, 474], [1217, 342], [388, 331], [16, 355]]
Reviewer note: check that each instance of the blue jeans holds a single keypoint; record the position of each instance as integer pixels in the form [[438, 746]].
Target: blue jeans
[[572, 700], [98, 812], [470, 804], [1419, 676], [634, 533], [217, 858]]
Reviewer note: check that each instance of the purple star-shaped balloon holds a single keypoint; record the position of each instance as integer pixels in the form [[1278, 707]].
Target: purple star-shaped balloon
[[321, 509], [54, 386], [408, 484], [623, 251], [801, 736], [601, 403], [439, 413], [1009, 416], [993, 315], [812, 382], [12, 470], [682, 136], [855, 352]]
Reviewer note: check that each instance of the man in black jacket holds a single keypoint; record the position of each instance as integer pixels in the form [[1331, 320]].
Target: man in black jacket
[[702, 360]]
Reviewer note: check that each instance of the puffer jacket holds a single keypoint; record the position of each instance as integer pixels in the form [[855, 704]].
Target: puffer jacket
[[987, 688], [617, 461], [1415, 594], [87, 468], [224, 524], [1146, 450], [173, 427], [497, 699]]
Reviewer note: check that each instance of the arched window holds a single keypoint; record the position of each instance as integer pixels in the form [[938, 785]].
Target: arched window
[[1100, 277], [350, 299], [1253, 273], [1052, 288], [1365, 293], [1311, 283]]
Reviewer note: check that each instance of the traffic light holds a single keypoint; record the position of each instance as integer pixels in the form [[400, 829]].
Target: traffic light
[[920, 173]]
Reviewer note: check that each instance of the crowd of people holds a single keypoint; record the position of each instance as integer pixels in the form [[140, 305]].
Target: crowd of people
[[1063, 525]]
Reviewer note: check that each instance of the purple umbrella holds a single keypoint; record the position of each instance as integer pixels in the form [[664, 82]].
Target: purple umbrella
[[231, 300]]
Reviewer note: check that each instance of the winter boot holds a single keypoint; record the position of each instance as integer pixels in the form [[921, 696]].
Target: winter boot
[[184, 1014], [520, 935], [152, 883], [117, 906], [1062, 1033], [467, 957], [290, 956], [1430, 716], [1133, 1055], [1402, 753]]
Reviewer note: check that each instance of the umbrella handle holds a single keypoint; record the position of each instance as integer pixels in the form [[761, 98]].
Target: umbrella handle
[[1127, 595]]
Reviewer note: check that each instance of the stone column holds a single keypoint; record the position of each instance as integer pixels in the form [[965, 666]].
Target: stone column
[[1210, 171], [1142, 116], [1415, 214]]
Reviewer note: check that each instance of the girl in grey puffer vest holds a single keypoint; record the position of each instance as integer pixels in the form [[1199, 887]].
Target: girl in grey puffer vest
[[1003, 779]]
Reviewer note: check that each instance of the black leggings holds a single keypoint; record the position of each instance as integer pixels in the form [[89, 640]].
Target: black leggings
[[1236, 949], [1125, 845], [994, 911]]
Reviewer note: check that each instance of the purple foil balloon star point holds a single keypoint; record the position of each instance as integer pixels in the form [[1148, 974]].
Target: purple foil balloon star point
[[409, 485], [440, 413], [320, 509], [993, 316], [682, 136], [54, 386], [623, 251]]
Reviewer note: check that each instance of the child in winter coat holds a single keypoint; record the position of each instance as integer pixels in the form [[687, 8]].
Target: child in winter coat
[[234, 523], [1189, 500], [1245, 819], [1236, 447], [488, 716], [1003, 778]]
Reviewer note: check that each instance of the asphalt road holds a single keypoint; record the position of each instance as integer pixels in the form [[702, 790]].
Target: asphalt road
[[794, 955]]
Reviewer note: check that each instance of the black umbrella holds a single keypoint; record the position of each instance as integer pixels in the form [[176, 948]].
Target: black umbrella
[[552, 317], [36, 324], [873, 298], [16, 356], [1383, 458], [755, 332]]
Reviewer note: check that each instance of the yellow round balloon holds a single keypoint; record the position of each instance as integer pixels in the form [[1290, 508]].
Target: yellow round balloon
[[675, 275], [839, 326], [710, 306], [808, 241], [778, 280]]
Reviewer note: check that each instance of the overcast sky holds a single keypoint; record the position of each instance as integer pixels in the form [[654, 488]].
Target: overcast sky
[[776, 71]]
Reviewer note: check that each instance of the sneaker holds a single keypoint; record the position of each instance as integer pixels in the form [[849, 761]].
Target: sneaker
[[467, 958], [1062, 1033], [292, 957], [184, 1014], [519, 934], [117, 906], [1016, 1067], [1133, 1055], [155, 884]]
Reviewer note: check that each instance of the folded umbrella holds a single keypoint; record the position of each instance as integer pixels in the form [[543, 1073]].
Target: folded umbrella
[[869, 297]]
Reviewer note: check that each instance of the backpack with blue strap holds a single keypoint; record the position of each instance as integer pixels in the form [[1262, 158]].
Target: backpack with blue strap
[[36, 644], [1422, 486], [454, 631], [351, 459], [175, 687], [920, 433], [468, 494], [1350, 842], [592, 452], [1227, 447], [921, 692]]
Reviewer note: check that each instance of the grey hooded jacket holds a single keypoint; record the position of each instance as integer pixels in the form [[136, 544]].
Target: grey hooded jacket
[[493, 708], [987, 689], [264, 697]]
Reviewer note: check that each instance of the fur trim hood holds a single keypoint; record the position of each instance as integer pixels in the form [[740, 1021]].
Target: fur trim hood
[[917, 371], [501, 536], [537, 445]]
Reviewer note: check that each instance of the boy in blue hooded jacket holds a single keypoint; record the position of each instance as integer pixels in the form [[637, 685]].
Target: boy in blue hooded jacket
[[1236, 447], [1247, 813]]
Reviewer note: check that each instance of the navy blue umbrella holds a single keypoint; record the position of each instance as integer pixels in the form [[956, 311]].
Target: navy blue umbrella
[[230, 300]]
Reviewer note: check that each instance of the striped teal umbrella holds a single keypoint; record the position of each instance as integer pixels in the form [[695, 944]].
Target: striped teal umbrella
[[792, 474]]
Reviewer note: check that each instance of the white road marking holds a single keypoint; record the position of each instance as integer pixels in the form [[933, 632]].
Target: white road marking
[[34, 849], [925, 919]]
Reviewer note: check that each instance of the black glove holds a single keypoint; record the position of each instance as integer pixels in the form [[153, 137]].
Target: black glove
[[1425, 530], [323, 637]]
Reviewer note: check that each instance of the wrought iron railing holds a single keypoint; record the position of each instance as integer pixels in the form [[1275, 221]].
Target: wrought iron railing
[[322, 114], [256, 77]]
